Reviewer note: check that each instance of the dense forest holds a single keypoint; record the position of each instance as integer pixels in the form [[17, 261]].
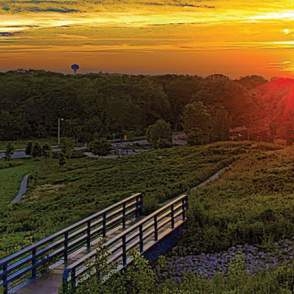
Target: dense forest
[[111, 105]]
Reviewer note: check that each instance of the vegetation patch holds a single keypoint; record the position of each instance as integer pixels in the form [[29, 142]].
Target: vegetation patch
[[60, 196]]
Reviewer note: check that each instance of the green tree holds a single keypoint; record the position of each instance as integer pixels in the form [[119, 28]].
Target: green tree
[[100, 147], [29, 148], [67, 147], [221, 123], [37, 150], [159, 134], [197, 123], [140, 276], [61, 159], [9, 151], [46, 151]]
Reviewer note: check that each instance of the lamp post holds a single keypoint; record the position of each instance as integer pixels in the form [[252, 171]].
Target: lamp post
[[59, 129]]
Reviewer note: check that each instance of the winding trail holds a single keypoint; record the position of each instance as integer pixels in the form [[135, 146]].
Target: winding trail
[[212, 178], [22, 190]]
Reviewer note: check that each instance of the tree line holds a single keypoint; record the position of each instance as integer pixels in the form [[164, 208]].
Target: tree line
[[114, 105]]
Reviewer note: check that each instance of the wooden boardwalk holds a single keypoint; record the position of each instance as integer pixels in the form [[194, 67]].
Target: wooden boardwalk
[[141, 236], [69, 256], [23, 272]]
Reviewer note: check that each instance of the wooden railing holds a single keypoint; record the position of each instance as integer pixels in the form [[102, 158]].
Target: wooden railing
[[29, 262], [141, 236]]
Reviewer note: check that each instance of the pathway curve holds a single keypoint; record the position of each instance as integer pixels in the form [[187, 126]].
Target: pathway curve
[[22, 190]]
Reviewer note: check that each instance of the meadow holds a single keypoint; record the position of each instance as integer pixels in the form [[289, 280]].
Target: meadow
[[61, 196], [11, 173], [239, 237]]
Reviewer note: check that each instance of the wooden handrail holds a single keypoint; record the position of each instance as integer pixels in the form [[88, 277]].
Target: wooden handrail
[[78, 235], [132, 237]]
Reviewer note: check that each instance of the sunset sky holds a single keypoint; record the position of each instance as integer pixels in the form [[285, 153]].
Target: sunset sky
[[234, 37]]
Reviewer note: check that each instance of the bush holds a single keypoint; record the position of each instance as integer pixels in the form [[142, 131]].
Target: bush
[[62, 159], [37, 150], [100, 147], [9, 151], [67, 147], [46, 151], [159, 134], [29, 148]]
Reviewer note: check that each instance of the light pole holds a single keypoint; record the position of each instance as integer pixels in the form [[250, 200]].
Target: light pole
[[59, 129]]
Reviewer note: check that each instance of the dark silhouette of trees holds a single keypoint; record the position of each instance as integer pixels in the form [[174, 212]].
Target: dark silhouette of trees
[[37, 150], [101, 105], [9, 151], [197, 123], [159, 134], [100, 147]]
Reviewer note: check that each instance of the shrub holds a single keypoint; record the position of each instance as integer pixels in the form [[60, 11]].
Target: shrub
[[100, 147], [29, 148], [159, 134], [9, 151], [62, 159], [67, 147], [37, 150], [46, 151]]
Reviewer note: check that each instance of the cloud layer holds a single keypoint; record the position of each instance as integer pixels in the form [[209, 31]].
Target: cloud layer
[[120, 27]]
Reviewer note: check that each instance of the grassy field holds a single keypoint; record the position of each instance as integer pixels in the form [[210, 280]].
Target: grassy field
[[60, 196], [11, 174], [251, 203]]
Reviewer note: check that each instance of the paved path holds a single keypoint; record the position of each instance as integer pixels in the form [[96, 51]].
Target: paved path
[[22, 189]]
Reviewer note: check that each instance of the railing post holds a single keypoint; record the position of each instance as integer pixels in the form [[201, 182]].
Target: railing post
[[124, 250], [184, 208], [141, 238], [4, 278], [65, 281], [172, 216], [34, 261], [65, 248], [89, 235], [137, 206], [124, 215], [155, 228], [104, 225], [141, 204], [73, 281]]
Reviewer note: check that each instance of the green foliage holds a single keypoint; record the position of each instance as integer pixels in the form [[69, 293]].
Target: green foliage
[[37, 150], [140, 278], [11, 173], [29, 148], [61, 159], [60, 196], [9, 151], [104, 104], [251, 203], [237, 281], [46, 151], [159, 134], [100, 147], [197, 123], [67, 147]]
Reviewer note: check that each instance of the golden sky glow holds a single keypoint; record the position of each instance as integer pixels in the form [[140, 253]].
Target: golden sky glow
[[234, 37]]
